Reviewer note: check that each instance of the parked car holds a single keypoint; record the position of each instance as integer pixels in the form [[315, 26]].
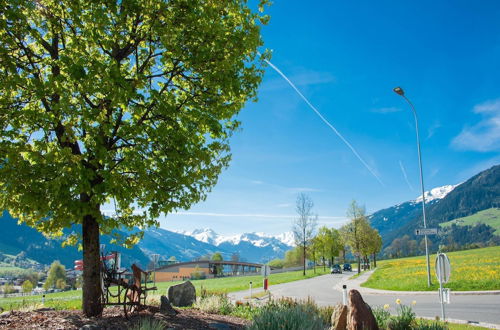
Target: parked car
[[336, 269], [347, 267]]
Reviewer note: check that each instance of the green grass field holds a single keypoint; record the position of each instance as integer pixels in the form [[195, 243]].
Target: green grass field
[[490, 217], [477, 269], [72, 299]]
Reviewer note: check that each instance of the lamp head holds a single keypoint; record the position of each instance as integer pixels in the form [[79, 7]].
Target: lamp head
[[399, 91]]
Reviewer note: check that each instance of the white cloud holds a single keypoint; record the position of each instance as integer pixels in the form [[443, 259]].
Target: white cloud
[[255, 215], [284, 205], [485, 135], [296, 190], [432, 130], [256, 182], [386, 110]]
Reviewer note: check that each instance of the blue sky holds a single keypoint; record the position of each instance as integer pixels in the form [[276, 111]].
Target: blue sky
[[346, 57]]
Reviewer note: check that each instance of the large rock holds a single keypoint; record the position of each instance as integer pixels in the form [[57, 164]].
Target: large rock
[[360, 316], [339, 317], [166, 308], [182, 295]]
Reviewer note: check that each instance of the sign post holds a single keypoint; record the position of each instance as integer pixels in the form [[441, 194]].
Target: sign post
[[426, 231], [443, 272], [265, 270]]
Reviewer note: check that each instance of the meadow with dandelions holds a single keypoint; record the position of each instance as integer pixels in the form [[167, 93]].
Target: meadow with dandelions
[[471, 270]]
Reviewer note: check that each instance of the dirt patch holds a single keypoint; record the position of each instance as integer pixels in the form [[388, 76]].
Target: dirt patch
[[113, 318]]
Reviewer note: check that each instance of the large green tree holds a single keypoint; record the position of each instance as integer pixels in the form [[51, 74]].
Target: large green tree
[[357, 231], [127, 102], [56, 274]]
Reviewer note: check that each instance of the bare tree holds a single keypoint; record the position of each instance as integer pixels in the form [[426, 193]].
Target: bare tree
[[305, 225]]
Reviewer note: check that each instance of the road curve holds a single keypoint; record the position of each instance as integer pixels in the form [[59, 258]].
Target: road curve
[[325, 290]]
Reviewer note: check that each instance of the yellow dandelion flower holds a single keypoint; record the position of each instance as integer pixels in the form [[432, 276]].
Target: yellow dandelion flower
[[386, 306], [398, 301], [414, 302]]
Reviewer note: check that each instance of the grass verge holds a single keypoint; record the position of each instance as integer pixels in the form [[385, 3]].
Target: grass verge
[[477, 269], [72, 299]]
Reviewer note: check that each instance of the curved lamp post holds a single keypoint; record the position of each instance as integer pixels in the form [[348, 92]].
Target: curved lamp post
[[400, 91]]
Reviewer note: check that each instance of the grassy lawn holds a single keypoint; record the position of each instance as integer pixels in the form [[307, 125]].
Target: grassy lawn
[[451, 326], [490, 217], [232, 284], [72, 299], [58, 300], [8, 268], [477, 269]]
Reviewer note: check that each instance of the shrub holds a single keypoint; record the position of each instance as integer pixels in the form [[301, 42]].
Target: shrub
[[215, 304], [148, 323], [430, 326], [326, 314], [404, 320], [382, 316], [245, 311], [288, 315]]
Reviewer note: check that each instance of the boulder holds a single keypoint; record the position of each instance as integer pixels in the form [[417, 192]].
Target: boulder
[[5, 314], [360, 316], [182, 295], [166, 308], [339, 317]]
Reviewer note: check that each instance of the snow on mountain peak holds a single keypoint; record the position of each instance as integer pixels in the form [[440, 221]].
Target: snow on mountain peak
[[207, 235], [436, 193]]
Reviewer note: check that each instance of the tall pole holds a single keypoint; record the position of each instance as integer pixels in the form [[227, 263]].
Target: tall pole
[[155, 257], [399, 91]]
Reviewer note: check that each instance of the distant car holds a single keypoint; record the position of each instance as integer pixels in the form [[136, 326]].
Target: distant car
[[347, 267], [336, 269]]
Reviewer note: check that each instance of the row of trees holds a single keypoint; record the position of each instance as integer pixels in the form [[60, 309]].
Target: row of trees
[[327, 243]]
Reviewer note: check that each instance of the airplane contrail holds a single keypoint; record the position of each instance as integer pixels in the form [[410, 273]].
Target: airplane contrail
[[325, 121], [405, 176]]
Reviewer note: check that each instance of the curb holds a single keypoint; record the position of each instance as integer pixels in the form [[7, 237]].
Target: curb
[[356, 284], [474, 323], [416, 293]]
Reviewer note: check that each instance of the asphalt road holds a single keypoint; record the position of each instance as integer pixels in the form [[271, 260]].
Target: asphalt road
[[325, 291]]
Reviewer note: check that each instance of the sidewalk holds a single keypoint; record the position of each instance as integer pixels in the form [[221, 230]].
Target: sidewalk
[[356, 284]]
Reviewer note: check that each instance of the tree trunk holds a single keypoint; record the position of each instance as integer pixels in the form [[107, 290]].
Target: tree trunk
[[91, 271], [314, 261], [304, 259], [374, 260], [359, 264]]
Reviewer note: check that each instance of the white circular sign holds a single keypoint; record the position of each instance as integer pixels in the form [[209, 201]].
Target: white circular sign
[[443, 268], [265, 270]]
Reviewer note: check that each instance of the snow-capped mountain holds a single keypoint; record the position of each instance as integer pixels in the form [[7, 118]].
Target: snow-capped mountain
[[436, 193], [389, 219], [250, 246], [259, 239]]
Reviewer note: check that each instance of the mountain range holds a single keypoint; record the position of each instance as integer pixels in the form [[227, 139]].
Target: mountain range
[[251, 247], [445, 203]]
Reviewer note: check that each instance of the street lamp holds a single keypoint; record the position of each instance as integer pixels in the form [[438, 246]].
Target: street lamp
[[400, 91]]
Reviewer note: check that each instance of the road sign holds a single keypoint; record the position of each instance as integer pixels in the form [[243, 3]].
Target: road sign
[[265, 270], [443, 268], [426, 231]]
